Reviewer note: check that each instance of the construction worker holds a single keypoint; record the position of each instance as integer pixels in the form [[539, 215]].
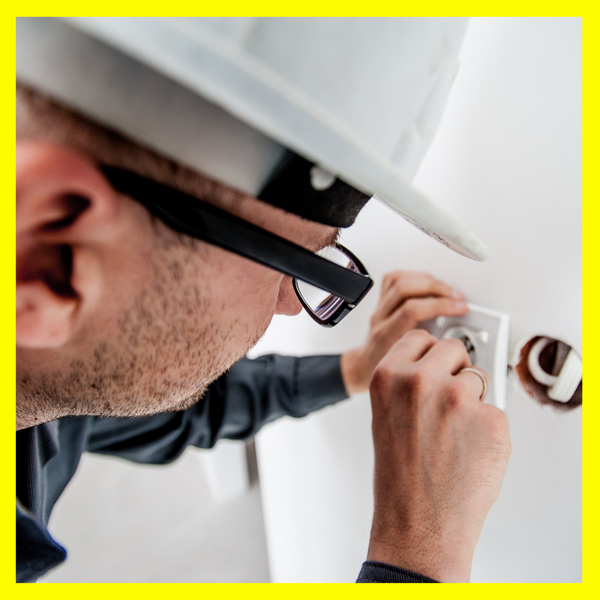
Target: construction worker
[[179, 182]]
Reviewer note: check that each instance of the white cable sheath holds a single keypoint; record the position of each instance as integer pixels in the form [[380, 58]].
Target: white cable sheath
[[561, 387]]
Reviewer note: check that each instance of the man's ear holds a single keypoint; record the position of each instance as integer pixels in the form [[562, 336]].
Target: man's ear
[[65, 211]]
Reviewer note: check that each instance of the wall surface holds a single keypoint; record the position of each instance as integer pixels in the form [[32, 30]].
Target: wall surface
[[128, 523], [507, 162]]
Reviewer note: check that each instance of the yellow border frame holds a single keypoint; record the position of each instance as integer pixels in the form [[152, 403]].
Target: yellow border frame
[[7, 252]]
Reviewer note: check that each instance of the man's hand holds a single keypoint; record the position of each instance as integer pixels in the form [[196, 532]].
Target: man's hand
[[406, 298], [440, 457]]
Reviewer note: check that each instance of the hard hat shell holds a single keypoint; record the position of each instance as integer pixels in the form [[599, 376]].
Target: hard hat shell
[[361, 97]]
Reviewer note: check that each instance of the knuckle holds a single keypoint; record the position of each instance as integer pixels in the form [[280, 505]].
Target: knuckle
[[417, 383], [400, 279], [395, 274], [410, 308], [456, 346], [418, 336], [383, 390], [429, 278], [390, 386], [457, 395], [454, 343], [389, 279], [378, 334], [383, 378]]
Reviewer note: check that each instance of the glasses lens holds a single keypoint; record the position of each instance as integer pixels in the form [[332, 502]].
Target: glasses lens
[[322, 303]]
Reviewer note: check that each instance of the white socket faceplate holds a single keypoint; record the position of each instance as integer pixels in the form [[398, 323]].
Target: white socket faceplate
[[485, 334]]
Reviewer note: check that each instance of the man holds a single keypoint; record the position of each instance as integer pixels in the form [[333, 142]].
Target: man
[[142, 280]]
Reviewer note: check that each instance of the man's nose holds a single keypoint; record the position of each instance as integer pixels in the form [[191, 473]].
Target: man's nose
[[287, 301]]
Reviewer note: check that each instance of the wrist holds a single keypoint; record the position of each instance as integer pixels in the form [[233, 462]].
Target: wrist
[[352, 367], [445, 567], [436, 553]]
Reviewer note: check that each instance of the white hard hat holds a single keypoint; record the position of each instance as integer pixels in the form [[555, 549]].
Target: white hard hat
[[359, 97]]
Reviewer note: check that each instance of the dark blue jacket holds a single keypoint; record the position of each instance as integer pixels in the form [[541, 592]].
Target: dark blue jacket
[[251, 394]]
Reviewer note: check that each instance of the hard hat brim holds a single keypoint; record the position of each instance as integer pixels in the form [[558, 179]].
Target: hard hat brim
[[279, 115]]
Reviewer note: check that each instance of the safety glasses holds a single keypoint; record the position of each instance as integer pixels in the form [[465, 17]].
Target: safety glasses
[[328, 284]]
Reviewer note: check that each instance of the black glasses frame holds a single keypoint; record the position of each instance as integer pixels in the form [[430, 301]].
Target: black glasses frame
[[345, 307], [191, 216]]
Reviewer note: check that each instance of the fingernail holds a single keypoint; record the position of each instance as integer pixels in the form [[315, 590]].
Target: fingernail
[[457, 294], [460, 306]]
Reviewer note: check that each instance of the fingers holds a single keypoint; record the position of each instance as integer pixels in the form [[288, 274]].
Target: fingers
[[393, 374], [447, 356], [413, 346], [416, 279], [399, 286], [407, 299], [451, 357], [436, 356], [415, 310], [439, 362], [410, 348]]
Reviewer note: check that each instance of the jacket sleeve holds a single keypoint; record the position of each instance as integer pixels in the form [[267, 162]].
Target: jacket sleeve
[[235, 406], [376, 572]]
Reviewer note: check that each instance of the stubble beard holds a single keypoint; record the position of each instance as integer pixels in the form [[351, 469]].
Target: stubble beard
[[163, 353]]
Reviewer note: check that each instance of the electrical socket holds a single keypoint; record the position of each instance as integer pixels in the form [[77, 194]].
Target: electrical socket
[[484, 332]]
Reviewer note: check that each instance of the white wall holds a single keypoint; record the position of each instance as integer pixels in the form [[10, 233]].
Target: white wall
[[127, 523], [507, 162]]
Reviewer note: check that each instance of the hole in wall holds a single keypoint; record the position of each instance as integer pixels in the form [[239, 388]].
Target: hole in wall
[[552, 357]]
